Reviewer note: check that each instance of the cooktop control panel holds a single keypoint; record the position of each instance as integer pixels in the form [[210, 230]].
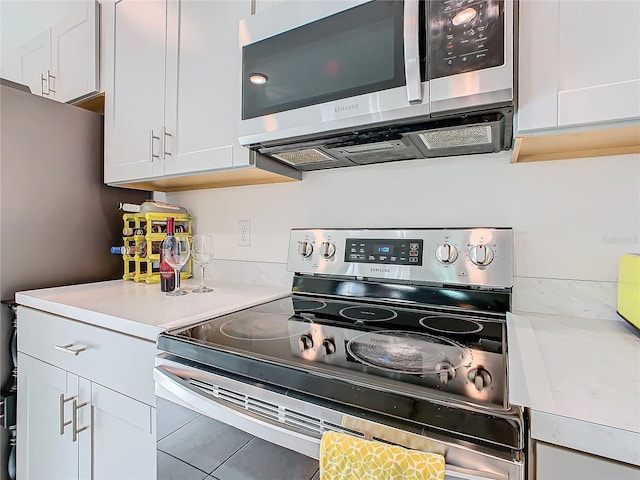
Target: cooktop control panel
[[458, 256], [384, 250]]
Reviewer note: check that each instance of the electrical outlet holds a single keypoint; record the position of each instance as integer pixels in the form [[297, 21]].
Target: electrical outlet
[[244, 233]]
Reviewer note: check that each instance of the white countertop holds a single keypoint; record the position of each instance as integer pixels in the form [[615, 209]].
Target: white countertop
[[143, 310], [581, 379]]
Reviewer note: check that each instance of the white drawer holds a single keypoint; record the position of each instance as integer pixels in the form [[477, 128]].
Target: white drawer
[[117, 361]]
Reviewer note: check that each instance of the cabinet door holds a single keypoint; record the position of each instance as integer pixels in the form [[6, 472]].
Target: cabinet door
[[599, 61], [124, 440], [579, 63], [134, 107], [43, 452], [74, 53], [203, 86], [555, 463], [34, 59]]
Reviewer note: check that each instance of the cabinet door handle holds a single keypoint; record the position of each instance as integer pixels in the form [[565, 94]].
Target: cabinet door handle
[[67, 349], [42, 80], [61, 417], [165, 134], [49, 78], [74, 419], [152, 137]]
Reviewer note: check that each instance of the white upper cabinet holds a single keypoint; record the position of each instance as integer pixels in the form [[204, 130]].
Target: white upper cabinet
[[61, 61], [579, 63], [203, 86], [172, 97], [74, 53], [35, 63], [173, 91], [135, 85]]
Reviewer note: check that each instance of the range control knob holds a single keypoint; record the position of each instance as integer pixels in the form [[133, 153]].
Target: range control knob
[[481, 255], [327, 250], [305, 249], [480, 377], [445, 371], [305, 342], [329, 346], [446, 253]]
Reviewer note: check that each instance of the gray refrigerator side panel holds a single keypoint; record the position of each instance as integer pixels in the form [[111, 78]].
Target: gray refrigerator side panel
[[58, 218]]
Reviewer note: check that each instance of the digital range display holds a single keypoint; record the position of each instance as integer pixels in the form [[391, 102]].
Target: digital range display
[[392, 251], [383, 249]]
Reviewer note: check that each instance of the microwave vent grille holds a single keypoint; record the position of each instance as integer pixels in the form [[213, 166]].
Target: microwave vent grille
[[303, 157], [457, 137]]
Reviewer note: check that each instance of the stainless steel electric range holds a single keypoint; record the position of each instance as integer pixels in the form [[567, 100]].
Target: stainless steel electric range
[[397, 335]]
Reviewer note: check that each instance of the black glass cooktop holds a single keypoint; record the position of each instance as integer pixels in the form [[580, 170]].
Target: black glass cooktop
[[381, 345]]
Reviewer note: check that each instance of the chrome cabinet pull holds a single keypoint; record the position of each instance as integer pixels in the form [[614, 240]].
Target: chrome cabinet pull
[[165, 134], [67, 349], [74, 419], [49, 78], [412, 50], [42, 80], [62, 402], [152, 137]]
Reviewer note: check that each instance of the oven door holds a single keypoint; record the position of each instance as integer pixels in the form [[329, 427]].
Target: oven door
[[298, 423], [313, 67]]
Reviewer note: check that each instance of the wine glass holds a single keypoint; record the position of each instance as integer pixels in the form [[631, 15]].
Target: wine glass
[[202, 254], [176, 251]]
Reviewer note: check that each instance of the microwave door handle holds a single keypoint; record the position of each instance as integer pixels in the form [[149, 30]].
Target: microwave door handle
[[412, 50]]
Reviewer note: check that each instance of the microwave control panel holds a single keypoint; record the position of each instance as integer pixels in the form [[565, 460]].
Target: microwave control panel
[[465, 35]]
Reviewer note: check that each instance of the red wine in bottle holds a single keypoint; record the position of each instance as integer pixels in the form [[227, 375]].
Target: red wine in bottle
[[167, 273]]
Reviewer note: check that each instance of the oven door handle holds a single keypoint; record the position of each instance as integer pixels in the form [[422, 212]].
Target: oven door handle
[[411, 30], [213, 408]]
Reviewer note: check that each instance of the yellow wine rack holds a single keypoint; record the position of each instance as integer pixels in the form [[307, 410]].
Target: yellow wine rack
[[149, 230]]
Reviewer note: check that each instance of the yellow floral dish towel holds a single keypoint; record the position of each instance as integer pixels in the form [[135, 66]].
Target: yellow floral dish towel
[[344, 457]]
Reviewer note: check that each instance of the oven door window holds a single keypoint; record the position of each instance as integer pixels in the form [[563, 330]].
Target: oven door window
[[354, 52]]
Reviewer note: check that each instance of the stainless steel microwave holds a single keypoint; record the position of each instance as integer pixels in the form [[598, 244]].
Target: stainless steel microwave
[[329, 83]]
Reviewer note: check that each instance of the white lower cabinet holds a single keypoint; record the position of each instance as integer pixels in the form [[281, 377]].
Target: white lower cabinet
[[124, 439], [74, 420], [556, 463], [43, 451]]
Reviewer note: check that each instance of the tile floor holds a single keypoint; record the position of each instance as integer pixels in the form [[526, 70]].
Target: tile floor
[[196, 447]]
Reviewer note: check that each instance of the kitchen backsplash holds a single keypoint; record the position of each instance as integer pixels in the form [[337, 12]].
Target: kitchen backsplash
[[572, 219]]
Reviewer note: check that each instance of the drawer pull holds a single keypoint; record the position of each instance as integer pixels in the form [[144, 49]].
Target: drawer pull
[[62, 402], [67, 349]]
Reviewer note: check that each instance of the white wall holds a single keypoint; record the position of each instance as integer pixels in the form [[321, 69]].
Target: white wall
[[573, 219]]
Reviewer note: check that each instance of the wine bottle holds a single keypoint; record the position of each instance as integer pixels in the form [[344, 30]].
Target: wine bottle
[[167, 273], [151, 206], [140, 249]]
